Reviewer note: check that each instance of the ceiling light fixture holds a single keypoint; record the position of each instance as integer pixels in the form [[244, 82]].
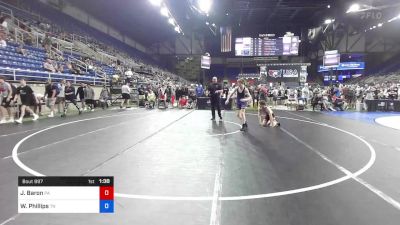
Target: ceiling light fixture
[[156, 2], [164, 11], [354, 8], [204, 5], [329, 21]]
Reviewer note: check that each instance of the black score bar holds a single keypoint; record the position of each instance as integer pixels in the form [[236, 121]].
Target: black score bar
[[65, 181]]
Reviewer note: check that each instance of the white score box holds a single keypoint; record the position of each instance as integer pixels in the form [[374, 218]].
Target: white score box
[[58, 193], [65, 194], [58, 206]]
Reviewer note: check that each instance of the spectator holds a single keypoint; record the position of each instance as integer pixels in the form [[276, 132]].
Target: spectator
[[25, 94], [51, 91], [39, 99], [126, 95], [151, 98], [61, 96], [81, 93], [70, 97], [76, 69], [104, 97], [47, 43], [89, 97], [199, 90], [3, 31], [7, 94], [48, 66], [21, 50]]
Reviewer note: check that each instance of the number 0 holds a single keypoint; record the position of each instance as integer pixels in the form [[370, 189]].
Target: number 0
[[106, 206]]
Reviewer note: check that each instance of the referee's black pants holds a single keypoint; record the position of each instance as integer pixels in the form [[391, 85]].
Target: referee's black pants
[[67, 102], [215, 104]]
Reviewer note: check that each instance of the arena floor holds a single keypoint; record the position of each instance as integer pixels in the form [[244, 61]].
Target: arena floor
[[177, 167]]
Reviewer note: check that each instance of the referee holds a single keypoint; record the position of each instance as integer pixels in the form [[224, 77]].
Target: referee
[[215, 91]]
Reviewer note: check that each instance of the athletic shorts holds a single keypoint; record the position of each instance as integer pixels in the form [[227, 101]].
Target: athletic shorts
[[70, 99], [28, 102], [241, 105], [5, 103], [126, 96], [60, 99], [50, 102], [89, 101]]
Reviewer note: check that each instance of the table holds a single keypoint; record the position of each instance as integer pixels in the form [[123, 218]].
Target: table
[[385, 105]]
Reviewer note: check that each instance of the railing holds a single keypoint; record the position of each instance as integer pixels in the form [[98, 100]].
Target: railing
[[79, 63], [20, 33], [54, 52], [16, 74], [82, 39], [7, 10], [16, 9]]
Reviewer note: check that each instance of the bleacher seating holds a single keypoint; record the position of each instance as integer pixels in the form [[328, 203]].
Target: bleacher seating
[[31, 65]]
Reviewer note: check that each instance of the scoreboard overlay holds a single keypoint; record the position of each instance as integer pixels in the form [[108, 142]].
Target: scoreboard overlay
[[65, 194]]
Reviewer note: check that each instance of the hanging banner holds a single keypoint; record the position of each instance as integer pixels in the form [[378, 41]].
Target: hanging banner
[[284, 73], [205, 62], [303, 74], [263, 71]]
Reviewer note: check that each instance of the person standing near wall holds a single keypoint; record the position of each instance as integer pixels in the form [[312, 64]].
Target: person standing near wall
[[126, 95], [25, 94], [51, 92], [80, 92], [89, 97], [7, 94]]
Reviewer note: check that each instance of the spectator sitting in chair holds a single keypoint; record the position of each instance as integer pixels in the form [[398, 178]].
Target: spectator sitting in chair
[[76, 69], [60, 68], [21, 50], [48, 66], [183, 102], [73, 68], [151, 98]]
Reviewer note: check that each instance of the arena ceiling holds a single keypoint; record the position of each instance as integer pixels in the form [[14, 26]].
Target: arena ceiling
[[143, 22]]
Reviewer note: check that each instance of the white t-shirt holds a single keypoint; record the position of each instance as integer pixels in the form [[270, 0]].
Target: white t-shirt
[[125, 89], [129, 73], [4, 89], [62, 91], [3, 44], [305, 93]]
